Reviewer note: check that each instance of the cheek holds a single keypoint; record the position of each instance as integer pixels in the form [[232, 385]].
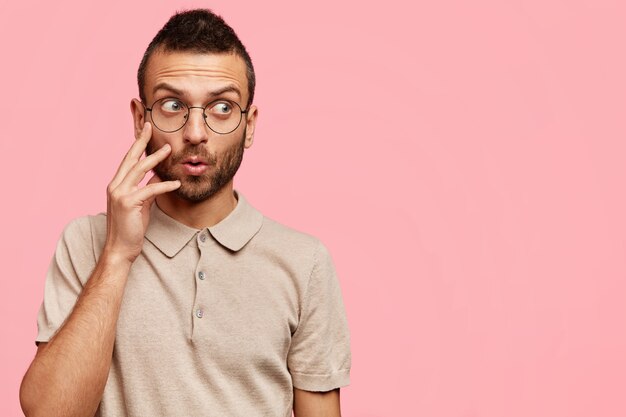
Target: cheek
[[150, 149], [219, 146], [157, 142]]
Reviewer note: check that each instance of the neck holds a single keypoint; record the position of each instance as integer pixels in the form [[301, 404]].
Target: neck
[[199, 215]]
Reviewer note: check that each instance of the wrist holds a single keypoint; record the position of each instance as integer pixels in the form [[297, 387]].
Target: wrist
[[113, 258]]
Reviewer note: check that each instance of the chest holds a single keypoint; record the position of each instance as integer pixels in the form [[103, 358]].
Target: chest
[[211, 305]]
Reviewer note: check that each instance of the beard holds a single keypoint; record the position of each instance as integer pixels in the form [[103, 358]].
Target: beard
[[197, 188]]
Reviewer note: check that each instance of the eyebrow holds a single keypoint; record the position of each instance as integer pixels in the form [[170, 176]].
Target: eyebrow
[[168, 87], [227, 89]]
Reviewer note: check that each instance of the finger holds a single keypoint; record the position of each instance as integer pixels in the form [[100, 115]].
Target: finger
[[149, 192], [154, 180], [141, 168], [133, 155]]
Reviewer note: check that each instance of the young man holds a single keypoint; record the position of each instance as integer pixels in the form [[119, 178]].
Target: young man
[[184, 300]]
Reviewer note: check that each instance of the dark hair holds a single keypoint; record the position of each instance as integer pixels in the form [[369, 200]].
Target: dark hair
[[198, 30]]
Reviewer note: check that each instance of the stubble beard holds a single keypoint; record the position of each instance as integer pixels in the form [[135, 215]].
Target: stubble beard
[[197, 188]]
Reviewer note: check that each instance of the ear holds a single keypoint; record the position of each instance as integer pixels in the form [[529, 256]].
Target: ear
[[251, 117], [138, 111]]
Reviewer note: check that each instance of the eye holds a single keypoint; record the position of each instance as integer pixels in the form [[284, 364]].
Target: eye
[[222, 108], [171, 105]]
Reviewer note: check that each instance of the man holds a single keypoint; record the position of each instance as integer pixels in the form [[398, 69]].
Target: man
[[184, 300]]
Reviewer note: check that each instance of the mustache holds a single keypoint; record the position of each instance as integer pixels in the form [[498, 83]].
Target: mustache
[[192, 151]]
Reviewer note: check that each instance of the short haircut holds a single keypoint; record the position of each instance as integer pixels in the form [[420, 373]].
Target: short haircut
[[201, 31]]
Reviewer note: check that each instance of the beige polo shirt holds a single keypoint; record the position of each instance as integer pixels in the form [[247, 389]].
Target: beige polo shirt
[[222, 321]]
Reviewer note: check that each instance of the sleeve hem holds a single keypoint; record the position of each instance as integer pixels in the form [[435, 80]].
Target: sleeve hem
[[44, 337], [318, 383]]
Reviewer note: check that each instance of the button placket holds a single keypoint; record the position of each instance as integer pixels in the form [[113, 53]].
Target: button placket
[[201, 301]]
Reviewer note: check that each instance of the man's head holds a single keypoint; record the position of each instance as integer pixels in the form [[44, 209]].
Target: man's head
[[196, 66], [198, 31]]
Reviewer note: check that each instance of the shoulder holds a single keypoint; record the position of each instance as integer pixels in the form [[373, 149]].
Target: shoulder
[[88, 231], [290, 241], [76, 252], [277, 231]]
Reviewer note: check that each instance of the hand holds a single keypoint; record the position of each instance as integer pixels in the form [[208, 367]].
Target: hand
[[128, 206]]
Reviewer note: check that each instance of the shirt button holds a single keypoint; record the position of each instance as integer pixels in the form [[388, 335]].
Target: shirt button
[[202, 237], [199, 313], [201, 275]]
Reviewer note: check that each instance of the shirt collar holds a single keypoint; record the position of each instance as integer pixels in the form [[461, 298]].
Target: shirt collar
[[232, 232]]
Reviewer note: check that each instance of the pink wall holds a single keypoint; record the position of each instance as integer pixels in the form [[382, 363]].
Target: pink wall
[[462, 160]]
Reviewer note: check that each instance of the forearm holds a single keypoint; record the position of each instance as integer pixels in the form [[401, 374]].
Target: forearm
[[316, 404], [67, 377]]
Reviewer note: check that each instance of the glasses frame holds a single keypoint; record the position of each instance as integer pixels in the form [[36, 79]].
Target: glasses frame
[[204, 115]]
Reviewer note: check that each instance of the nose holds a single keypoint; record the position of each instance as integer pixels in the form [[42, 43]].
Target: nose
[[196, 130]]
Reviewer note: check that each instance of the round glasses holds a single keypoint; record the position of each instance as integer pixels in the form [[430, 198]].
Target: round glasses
[[171, 114]]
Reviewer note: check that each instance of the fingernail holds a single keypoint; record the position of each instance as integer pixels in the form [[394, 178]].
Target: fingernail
[[166, 147]]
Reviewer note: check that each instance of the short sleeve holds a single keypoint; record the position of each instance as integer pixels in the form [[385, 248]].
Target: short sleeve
[[319, 356], [69, 270]]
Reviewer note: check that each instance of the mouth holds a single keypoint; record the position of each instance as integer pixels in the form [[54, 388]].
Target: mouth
[[195, 165], [195, 160]]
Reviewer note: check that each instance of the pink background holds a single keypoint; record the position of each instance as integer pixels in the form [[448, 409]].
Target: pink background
[[462, 161]]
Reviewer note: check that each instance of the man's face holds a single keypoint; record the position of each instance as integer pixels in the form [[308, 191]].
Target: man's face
[[204, 161]]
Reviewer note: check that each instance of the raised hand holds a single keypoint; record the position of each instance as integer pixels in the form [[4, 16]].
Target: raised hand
[[128, 205]]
